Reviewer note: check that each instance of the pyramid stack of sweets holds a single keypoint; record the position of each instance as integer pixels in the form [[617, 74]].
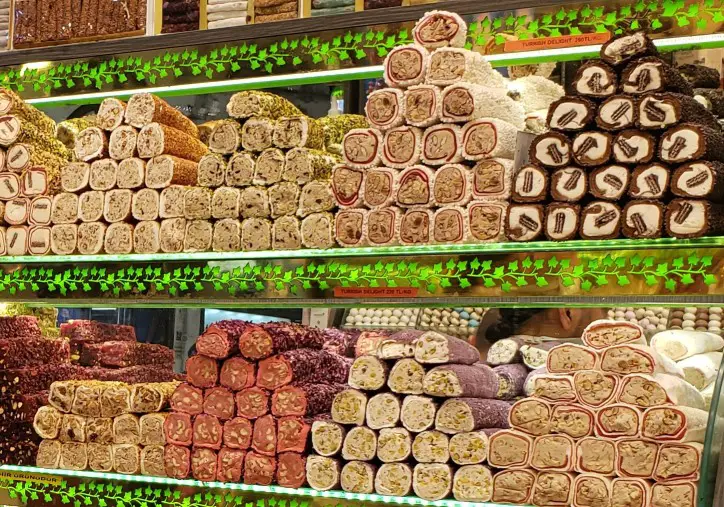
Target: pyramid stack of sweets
[[435, 164], [610, 422], [417, 417], [104, 427], [31, 159], [30, 363], [707, 85], [630, 153], [245, 413], [268, 176], [225, 13], [126, 190]]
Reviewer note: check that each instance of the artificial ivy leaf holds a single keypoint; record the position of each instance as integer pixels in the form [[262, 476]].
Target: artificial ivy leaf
[[670, 285]]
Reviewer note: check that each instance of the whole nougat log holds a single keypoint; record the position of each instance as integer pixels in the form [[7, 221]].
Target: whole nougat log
[[302, 365], [456, 380], [470, 414], [143, 109], [259, 342], [305, 399], [436, 348], [220, 340]]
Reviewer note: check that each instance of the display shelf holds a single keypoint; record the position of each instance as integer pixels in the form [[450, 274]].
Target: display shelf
[[165, 492]]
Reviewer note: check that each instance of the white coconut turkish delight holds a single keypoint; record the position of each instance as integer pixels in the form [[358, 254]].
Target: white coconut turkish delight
[[440, 29], [199, 235], [423, 105], [406, 66]]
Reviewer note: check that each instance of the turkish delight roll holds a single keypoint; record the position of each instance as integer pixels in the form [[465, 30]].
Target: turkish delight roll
[[406, 377], [10, 186], [594, 388], [63, 239], [464, 102], [257, 103], [689, 141], [423, 105], [551, 150], [631, 358], [700, 76], [551, 452], [315, 197], [630, 492], [530, 184], [596, 455], [122, 143], [450, 66], [74, 177], [73, 456], [524, 222], [569, 358], [678, 461], [336, 127], [256, 234], [110, 114], [159, 139], [258, 134], [145, 108], [562, 221], [350, 227], [368, 373], [595, 79], [571, 113], [117, 206], [91, 144], [100, 457], [510, 379], [237, 433], [401, 147], [509, 448], [347, 185], [651, 74], [470, 414], [406, 66], [381, 226], [357, 477], [393, 445], [440, 29], [682, 424], [197, 203], [172, 235], [225, 203], [65, 208], [680, 494], [360, 443], [592, 148], [211, 170], [418, 413], [646, 391], [699, 180], [40, 210], [455, 380], [322, 472], [553, 489], [203, 464], [115, 400], [127, 458], [486, 221], [269, 167], [609, 182], [198, 236], [385, 109], [663, 110], [591, 490], [600, 220], [469, 448], [152, 461], [165, 170], [437, 348], [649, 181], [530, 416], [171, 203], [349, 407], [432, 481], [554, 388], [240, 169], [636, 458], [327, 437], [450, 225], [442, 144], [712, 99], [687, 218], [383, 411], [431, 447], [618, 420], [225, 137], [318, 231], [126, 429], [362, 148], [72, 428], [145, 204], [394, 479], [488, 138], [286, 233], [304, 165], [47, 422], [284, 199], [298, 132], [625, 48], [573, 420], [415, 226], [643, 219], [617, 112], [16, 240], [40, 239], [131, 173], [452, 185], [380, 186], [514, 486], [16, 211], [146, 237], [602, 333]]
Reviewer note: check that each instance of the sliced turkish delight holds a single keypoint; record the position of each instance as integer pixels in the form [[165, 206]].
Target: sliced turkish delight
[[509, 379], [636, 458], [299, 131], [65, 209], [466, 102], [514, 486], [574, 420], [571, 113], [207, 432], [9, 186], [486, 221], [327, 437], [643, 219], [432, 481], [692, 218], [562, 221], [145, 204], [146, 237], [177, 461], [73, 456], [172, 234], [449, 66], [292, 433], [455, 380], [631, 358], [219, 402], [100, 457], [47, 422], [254, 103], [226, 236], [531, 416], [350, 227], [72, 428], [304, 165], [609, 182], [617, 112], [431, 447], [252, 402], [442, 144], [681, 494], [650, 181], [225, 138], [347, 185], [600, 220], [126, 429], [406, 66], [117, 206], [257, 133], [349, 407], [699, 180], [269, 167], [473, 483], [627, 47], [437, 348], [202, 371], [37, 181], [284, 198], [418, 413], [103, 174], [199, 236], [658, 111], [635, 147], [689, 141], [315, 197], [237, 433], [646, 391], [402, 147], [651, 74], [422, 105], [678, 461], [596, 455], [322, 472], [151, 429], [115, 399], [385, 109], [406, 377], [551, 150], [524, 222], [91, 205], [158, 139], [682, 424], [152, 461], [618, 420], [429, 32], [145, 108], [259, 469], [291, 471], [368, 373], [127, 458]]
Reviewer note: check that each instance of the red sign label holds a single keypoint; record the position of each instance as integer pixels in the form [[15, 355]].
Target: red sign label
[[377, 292], [564, 41]]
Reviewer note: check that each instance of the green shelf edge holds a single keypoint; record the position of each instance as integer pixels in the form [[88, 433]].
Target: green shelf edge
[[307, 492], [462, 249]]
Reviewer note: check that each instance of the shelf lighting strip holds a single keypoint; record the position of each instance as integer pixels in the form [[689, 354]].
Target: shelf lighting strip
[[398, 500], [368, 72]]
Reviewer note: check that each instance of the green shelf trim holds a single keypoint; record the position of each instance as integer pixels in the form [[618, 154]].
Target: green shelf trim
[[103, 494], [590, 272], [402, 251], [362, 47]]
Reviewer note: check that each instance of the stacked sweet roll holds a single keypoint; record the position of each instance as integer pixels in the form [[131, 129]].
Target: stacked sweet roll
[[180, 16], [630, 136], [707, 85], [104, 426], [330, 7], [225, 13], [275, 10], [610, 422], [270, 167], [252, 391], [417, 416], [4, 24], [435, 165], [127, 192], [31, 159]]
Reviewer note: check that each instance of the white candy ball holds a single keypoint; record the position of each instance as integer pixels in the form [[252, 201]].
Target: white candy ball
[[397, 313]]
